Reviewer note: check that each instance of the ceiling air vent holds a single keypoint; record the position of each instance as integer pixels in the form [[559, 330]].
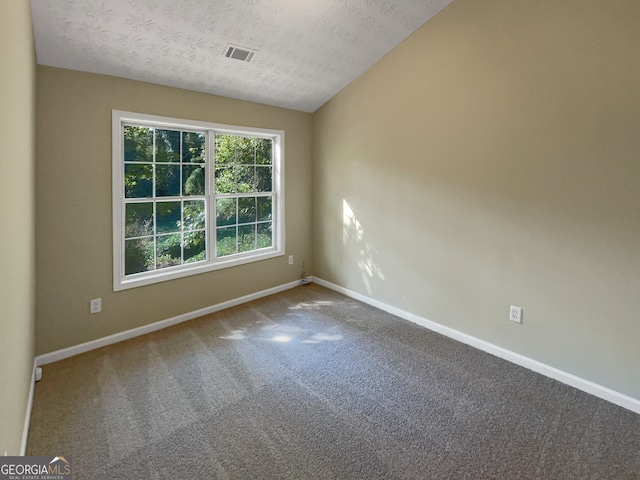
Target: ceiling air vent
[[239, 53]]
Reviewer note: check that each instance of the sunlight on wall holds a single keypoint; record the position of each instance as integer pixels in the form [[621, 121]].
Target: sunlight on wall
[[351, 228], [353, 235]]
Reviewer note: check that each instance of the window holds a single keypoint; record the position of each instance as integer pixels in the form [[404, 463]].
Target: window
[[190, 197]]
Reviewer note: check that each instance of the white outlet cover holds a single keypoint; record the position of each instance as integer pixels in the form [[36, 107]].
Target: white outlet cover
[[515, 314], [95, 305]]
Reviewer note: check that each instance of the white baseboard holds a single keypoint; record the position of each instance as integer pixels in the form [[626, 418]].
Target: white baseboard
[[27, 415], [136, 332], [587, 386]]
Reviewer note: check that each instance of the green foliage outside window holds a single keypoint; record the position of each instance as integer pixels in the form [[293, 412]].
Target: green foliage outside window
[[243, 171], [162, 164], [165, 222]]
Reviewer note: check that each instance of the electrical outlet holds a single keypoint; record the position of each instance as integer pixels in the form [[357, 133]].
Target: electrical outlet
[[95, 305], [515, 314], [290, 259]]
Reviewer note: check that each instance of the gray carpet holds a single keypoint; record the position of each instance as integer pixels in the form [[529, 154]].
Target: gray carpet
[[312, 384]]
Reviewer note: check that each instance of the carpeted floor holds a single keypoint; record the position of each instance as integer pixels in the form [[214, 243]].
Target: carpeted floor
[[310, 384]]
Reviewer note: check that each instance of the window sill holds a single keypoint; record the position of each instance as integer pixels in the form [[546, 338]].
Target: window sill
[[172, 273]]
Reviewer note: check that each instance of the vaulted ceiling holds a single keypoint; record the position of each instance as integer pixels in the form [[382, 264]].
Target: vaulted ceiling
[[305, 51]]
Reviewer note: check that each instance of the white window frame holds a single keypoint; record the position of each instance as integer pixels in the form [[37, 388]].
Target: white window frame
[[122, 281]]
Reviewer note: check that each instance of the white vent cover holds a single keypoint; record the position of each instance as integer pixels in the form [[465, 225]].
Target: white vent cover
[[239, 53]]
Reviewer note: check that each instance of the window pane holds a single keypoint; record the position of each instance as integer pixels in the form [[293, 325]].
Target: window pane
[[194, 247], [264, 176], [263, 151], [167, 180], [138, 255], [168, 251], [226, 211], [265, 236], [167, 146], [246, 209], [193, 178], [246, 238], [193, 147], [167, 217], [138, 144], [138, 219], [264, 208], [246, 179], [138, 181], [225, 182], [245, 151], [194, 214], [225, 241], [225, 149]]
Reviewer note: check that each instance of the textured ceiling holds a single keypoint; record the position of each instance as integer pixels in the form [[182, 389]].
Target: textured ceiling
[[307, 50]]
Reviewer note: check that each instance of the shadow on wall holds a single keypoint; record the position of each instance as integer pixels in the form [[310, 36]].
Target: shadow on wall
[[353, 239]]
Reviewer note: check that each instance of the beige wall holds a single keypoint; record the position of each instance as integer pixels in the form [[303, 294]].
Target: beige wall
[[493, 159], [489, 160], [17, 216], [74, 239]]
